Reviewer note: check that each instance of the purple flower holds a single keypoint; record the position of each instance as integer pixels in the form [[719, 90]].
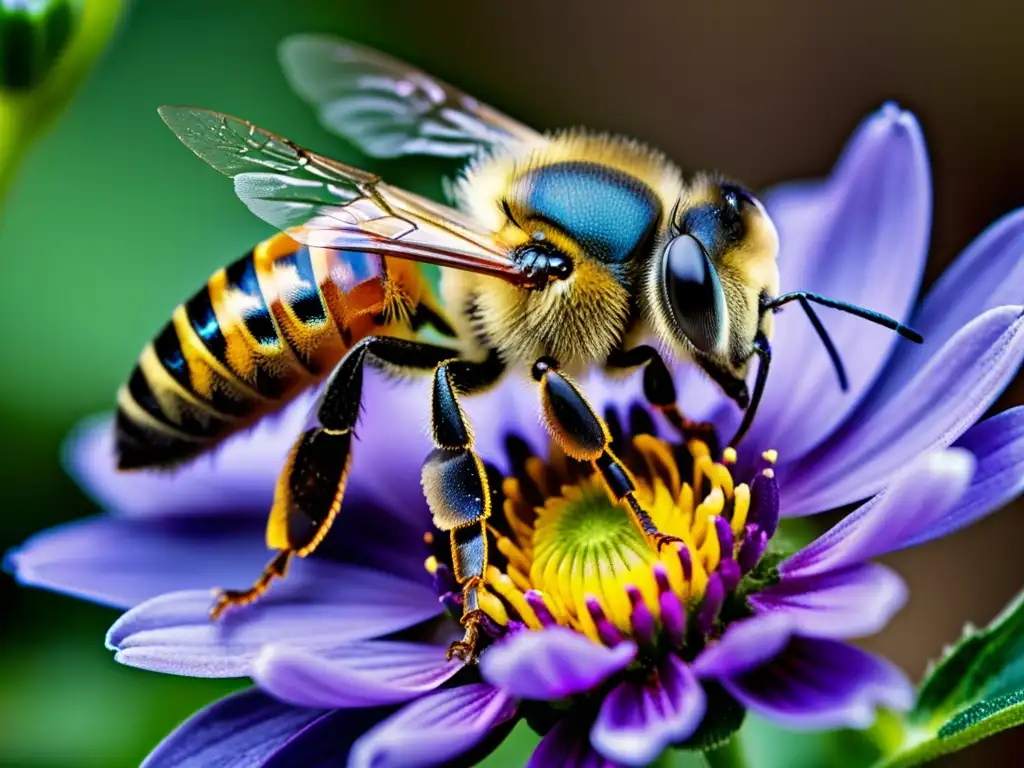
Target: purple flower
[[613, 650]]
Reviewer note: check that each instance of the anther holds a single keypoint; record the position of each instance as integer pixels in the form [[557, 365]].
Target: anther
[[641, 618], [755, 541], [673, 614], [493, 629], [729, 572], [452, 603], [729, 455], [714, 597], [686, 561], [725, 540], [640, 421], [764, 502], [444, 580], [606, 631], [536, 601]]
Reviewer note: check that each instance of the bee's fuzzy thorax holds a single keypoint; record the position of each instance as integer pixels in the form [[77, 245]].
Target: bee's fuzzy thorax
[[580, 320]]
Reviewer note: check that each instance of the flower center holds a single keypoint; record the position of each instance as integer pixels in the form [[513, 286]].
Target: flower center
[[564, 552]]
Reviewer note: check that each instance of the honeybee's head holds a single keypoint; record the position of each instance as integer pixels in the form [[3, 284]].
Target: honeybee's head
[[717, 263], [713, 287]]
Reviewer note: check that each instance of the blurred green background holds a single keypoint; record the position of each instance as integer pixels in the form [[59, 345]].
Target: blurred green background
[[110, 223]]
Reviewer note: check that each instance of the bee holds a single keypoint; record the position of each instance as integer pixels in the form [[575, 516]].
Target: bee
[[562, 251]]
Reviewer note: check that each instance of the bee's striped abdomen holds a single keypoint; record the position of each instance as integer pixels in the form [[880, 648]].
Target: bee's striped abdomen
[[259, 332]]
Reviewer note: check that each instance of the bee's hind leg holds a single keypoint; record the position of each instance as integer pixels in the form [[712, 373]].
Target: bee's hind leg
[[660, 392], [457, 487], [276, 569], [584, 436], [311, 485]]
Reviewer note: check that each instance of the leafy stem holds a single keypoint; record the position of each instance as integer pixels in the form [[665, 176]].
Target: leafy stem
[[24, 115], [728, 755]]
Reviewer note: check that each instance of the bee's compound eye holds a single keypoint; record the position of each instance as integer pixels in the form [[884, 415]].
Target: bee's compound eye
[[694, 293], [735, 196]]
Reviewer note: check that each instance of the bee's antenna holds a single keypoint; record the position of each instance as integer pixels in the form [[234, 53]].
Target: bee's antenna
[[853, 309], [764, 351], [833, 353]]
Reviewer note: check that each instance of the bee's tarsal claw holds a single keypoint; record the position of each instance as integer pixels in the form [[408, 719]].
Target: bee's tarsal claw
[[466, 648], [229, 597], [663, 540], [276, 569]]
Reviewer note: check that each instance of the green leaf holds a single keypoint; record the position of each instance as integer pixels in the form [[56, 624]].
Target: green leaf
[[795, 533], [46, 49], [975, 691], [724, 717]]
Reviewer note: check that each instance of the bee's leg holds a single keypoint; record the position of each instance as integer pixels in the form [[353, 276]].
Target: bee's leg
[[457, 488], [584, 436], [660, 391], [312, 483]]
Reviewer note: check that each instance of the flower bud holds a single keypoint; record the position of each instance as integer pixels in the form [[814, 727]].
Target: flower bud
[[33, 35]]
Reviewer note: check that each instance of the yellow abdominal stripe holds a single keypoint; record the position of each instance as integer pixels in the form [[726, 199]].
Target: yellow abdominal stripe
[[582, 544]]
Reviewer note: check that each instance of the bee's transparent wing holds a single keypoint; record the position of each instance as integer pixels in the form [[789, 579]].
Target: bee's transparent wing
[[324, 203], [389, 108]]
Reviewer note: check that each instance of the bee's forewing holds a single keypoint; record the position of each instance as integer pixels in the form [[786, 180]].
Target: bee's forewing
[[327, 204], [389, 108]]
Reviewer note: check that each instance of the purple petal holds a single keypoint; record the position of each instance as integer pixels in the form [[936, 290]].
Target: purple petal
[[947, 396], [122, 562], [241, 730], [852, 602], [988, 274], [237, 477], [509, 408], [552, 663], [998, 447], [365, 674], [318, 607], [327, 741], [871, 218], [744, 645], [922, 494], [392, 442], [567, 745], [435, 729], [818, 684], [240, 475], [638, 721], [701, 400]]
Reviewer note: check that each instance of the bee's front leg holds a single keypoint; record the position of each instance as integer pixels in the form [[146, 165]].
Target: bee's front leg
[[660, 391], [310, 488], [584, 436], [457, 487]]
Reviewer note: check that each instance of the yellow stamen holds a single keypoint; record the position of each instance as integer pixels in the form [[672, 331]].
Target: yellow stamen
[[740, 508], [514, 555], [581, 543], [701, 467], [493, 607], [503, 585], [711, 549], [520, 579], [721, 477]]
